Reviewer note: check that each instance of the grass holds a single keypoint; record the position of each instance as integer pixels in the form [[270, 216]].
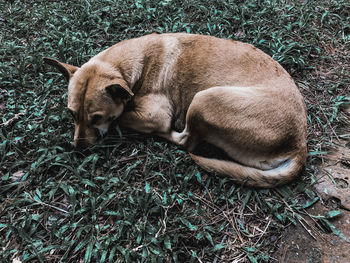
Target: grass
[[136, 198]]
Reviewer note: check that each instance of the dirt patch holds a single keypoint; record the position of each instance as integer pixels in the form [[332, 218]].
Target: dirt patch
[[333, 180], [315, 241], [297, 245]]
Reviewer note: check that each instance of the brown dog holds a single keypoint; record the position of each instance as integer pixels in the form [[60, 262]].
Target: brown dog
[[223, 92]]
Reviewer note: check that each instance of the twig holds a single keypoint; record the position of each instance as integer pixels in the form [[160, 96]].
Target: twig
[[200, 261], [233, 225], [307, 230], [51, 206], [217, 256], [315, 223], [206, 202], [14, 118], [297, 217], [146, 245], [264, 231], [336, 136]]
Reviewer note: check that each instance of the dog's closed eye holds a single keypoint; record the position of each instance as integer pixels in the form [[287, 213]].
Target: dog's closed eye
[[95, 119]]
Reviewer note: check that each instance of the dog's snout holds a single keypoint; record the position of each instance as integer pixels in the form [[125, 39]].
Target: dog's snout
[[98, 134], [84, 136]]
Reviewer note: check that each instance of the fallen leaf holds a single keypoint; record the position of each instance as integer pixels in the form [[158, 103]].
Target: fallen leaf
[[17, 176]]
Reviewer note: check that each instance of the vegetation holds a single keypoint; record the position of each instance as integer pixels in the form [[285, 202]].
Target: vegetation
[[136, 198]]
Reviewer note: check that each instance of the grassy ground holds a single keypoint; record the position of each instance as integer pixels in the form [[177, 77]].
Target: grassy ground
[[138, 198]]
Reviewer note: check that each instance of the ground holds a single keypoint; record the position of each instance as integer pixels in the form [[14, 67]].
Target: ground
[[137, 198], [315, 242]]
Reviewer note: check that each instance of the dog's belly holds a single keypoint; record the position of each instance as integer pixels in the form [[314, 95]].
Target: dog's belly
[[241, 155]]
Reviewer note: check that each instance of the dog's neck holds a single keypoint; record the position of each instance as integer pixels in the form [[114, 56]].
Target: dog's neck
[[143, 63], [127, 59], [132, 71]]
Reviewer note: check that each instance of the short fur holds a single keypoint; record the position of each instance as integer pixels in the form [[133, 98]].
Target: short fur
[[191, 89]]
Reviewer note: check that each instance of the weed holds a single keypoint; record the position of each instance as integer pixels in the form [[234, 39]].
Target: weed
[[137, 198]]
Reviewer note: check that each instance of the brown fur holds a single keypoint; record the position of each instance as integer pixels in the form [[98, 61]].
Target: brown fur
[[191, 88]]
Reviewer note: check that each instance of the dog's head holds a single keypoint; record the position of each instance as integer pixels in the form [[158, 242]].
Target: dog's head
[[97, 94]]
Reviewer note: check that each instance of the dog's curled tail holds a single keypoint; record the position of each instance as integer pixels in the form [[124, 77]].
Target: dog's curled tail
[[254, 177]]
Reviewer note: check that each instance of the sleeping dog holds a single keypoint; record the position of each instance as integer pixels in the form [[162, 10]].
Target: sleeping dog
[[191, 89]]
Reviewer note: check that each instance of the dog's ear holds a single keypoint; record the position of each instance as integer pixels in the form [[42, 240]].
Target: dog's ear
[[66, 69], [119, 90]]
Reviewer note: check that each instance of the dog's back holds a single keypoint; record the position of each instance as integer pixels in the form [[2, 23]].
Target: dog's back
[[180, 65]]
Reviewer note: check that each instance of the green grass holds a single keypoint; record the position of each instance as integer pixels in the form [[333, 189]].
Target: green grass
[[136, 198]]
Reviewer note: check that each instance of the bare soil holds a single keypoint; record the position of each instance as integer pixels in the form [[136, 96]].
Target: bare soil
[[313, 242]]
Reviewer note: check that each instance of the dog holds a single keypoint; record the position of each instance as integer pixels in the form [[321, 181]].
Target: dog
[[191, 89]]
